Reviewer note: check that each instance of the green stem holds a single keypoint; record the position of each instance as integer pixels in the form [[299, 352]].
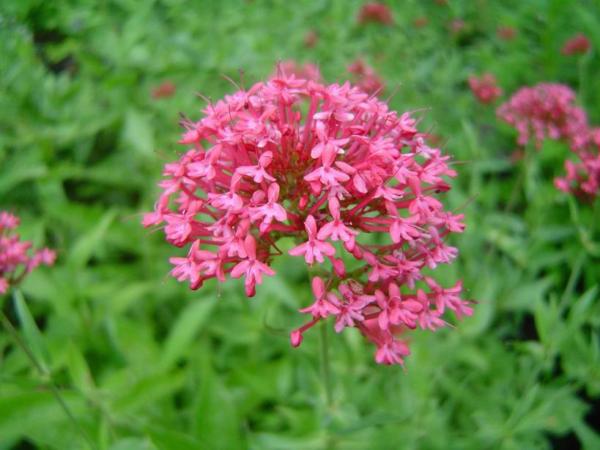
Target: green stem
[[325, 365], [46, 376], [575, 273]]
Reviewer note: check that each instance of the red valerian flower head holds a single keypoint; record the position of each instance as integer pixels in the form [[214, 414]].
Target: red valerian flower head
[[545, 110], [485, 88], [365, 77], [16, 256], [548, 111], [375, 12], [355, 184], [576, 45]]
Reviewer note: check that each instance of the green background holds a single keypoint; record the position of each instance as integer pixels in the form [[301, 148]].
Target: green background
[[141, 362]]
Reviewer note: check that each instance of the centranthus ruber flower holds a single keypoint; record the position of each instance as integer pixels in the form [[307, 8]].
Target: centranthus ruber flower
[[548, 111], [545, 110], [354, 183], [17, 258]]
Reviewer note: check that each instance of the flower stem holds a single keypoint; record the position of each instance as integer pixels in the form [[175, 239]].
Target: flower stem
[[14, 334], [325, 366]]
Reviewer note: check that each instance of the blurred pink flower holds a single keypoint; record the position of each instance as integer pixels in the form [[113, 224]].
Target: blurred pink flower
[[543, 111], [311, 38], [16, 258], [457, 26], [421, 22], [506, 33], [365, 77], [548, 111], [485, 88], [582, 178], [576, 45], [326, 165], [163, 90], [375, 12], [308, 71]]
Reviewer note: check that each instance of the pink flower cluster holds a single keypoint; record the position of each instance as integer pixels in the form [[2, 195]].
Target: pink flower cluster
[[549, 111], [365, 77], [15, 258], [485, 88], [545, 110], [354, 183]]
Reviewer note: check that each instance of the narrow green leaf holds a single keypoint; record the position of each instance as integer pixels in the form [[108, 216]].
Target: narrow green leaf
[[138, 133], [185, 328], [215, 415], [87, 244], [32, 336], [172, 440], [79, 370]]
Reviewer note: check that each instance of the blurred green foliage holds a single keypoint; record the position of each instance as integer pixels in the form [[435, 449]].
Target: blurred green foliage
[[140, 362]]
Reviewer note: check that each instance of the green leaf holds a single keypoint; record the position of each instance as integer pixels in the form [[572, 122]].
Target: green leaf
[[86, 245], [216, 422], [33, 337], [179, 341], [79, 370], [581, 307], [37, 415], [133, 444], [172, 440], [134, 394], [138, 133]]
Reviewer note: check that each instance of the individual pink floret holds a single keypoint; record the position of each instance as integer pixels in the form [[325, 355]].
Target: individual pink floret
[[353, 183]]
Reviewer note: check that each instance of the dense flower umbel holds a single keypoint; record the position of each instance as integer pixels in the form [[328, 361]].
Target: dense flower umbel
[[544, 111], [485, 88], [16, 257], [548, 111], [328, 166]]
